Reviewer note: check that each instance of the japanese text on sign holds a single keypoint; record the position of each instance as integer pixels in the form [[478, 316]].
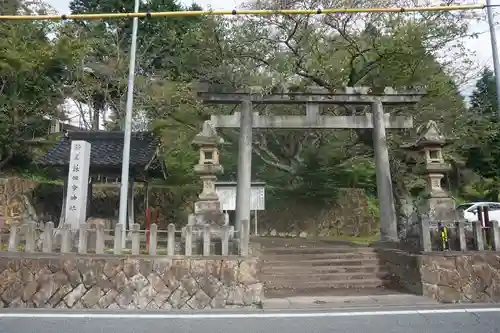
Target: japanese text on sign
[[227, 197], [78, 175]]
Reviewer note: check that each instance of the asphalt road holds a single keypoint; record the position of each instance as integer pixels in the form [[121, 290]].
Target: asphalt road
[[409, 320]]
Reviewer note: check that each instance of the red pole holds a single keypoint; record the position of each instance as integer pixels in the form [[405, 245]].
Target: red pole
[[148, 217], [157, 211], [486, 224]]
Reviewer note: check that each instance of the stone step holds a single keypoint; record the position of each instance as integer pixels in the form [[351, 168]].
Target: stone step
[[336, 284], [317, 250], [312, 277], [318, 262], [326, 269], [316, 257], [321, 291]]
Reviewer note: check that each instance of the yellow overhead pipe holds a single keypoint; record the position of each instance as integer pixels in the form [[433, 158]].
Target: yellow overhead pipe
[[237, 12]]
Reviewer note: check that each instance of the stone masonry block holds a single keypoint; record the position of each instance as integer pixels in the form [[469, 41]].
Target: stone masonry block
[[127, 283], [448, 277]]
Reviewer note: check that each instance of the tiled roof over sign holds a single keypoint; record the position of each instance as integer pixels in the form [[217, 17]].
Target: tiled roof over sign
[[106, 149]]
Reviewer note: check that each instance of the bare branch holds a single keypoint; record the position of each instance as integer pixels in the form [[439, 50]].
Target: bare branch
[[261, 152]]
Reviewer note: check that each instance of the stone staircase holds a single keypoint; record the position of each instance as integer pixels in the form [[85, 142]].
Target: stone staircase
[[313, 269]]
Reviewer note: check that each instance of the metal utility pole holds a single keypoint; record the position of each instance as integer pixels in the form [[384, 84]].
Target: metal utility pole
[[494, 51], [128, 129]]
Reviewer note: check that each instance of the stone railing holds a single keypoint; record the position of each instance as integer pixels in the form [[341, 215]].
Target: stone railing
[[429, 233], [466, 272], [189, 241]]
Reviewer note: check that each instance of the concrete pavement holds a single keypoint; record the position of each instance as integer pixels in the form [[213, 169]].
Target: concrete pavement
[[421, 319]]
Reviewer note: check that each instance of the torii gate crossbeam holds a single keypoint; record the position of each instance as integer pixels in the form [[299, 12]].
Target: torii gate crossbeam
[[247, 120]]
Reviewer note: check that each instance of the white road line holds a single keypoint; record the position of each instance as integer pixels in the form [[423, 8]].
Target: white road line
[[124, 315]]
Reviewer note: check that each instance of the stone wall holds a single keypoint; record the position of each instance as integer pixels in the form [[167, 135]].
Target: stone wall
[[140, 282], [448, 277], [349, 216], [47, 200]]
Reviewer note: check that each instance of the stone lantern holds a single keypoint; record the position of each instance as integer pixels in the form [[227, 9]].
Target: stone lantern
[[438, 204], [207, 210], [431, 143]]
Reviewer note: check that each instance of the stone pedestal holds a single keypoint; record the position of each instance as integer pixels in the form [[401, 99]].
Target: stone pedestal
[[439, 209], [198, 222]]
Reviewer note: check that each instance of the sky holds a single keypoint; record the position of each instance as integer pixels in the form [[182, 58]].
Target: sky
[[481, 47]]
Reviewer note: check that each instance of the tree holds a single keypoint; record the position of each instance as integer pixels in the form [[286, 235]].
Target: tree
[[33, 71], [483, 140], [88, 62], [9, 7], [484, 98], [376, 50], [331, 51], [164, 53]]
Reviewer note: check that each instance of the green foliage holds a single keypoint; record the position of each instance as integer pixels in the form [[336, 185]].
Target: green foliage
[[88, 61], [33, 70], [164, 41], [478, 190], [389, 50], [322, 176], [373, 206], [165, 62], [9, 7], [483, 155], [481, 149], [484, 98]]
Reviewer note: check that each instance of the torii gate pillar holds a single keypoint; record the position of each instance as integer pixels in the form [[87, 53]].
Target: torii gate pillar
[[385, 194], [377, 120]]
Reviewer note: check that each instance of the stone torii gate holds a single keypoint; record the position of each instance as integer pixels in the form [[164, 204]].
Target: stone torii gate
[[246, 120]]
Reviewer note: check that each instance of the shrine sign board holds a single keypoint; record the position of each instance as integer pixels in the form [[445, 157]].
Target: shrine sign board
[[78, 181], [227, 195]]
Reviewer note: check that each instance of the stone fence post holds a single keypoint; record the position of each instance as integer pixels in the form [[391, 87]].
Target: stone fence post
[[13, 238], [478, 235], [425, 235], [117, 243], [135, 238], [244, 237], [66, 245], [30, 237], [171, 239], [48, 234], [495, 230], [461, 235], [83, 237], [99, 239], [225, 241], [153, 239], [188, 239], [207, 234]]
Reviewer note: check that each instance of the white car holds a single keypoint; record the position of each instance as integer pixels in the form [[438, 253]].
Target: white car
[[469, 210]]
